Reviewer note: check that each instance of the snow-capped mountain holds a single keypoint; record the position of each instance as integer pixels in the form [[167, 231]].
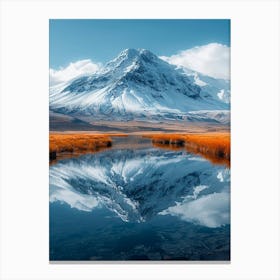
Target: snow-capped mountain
[[135, 85], [174, 183]]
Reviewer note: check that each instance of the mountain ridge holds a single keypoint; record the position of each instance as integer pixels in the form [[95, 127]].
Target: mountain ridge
[[136, 85]]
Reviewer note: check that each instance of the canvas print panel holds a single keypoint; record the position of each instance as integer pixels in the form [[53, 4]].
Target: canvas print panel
[[139, 119]]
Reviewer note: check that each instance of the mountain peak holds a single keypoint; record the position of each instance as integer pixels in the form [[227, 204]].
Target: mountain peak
[[130, 55], [135, 52]]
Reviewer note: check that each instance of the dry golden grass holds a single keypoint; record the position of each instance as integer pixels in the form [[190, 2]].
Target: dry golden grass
[[118, 134], [172, 147], [213, 146], [77, 143]]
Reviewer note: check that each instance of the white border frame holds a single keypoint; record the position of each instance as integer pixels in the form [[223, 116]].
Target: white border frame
[[255, 138]]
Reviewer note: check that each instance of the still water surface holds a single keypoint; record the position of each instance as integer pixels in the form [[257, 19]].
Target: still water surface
[[138, 202]]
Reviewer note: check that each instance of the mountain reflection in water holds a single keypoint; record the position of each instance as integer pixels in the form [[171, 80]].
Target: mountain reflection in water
[[136, 190]]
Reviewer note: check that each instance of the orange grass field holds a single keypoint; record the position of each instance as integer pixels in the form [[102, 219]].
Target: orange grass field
[[77, 143], [213, 146]]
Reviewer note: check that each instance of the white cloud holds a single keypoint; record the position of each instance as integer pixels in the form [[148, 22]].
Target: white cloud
[[74, 69], [212, 60], [76, 200], [209, 210]]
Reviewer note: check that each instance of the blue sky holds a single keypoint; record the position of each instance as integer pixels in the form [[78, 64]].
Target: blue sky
[[102, 40]]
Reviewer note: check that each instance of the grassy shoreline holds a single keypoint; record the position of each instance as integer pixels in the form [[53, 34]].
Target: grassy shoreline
[[77, 143], [212, 146], [215, 147]]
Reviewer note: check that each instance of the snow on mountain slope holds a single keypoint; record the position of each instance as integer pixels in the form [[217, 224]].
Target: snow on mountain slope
[[135, 85], [219, 89], [115, 180]]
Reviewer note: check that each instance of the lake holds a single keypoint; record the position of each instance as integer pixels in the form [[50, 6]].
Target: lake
[[139, 202]]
